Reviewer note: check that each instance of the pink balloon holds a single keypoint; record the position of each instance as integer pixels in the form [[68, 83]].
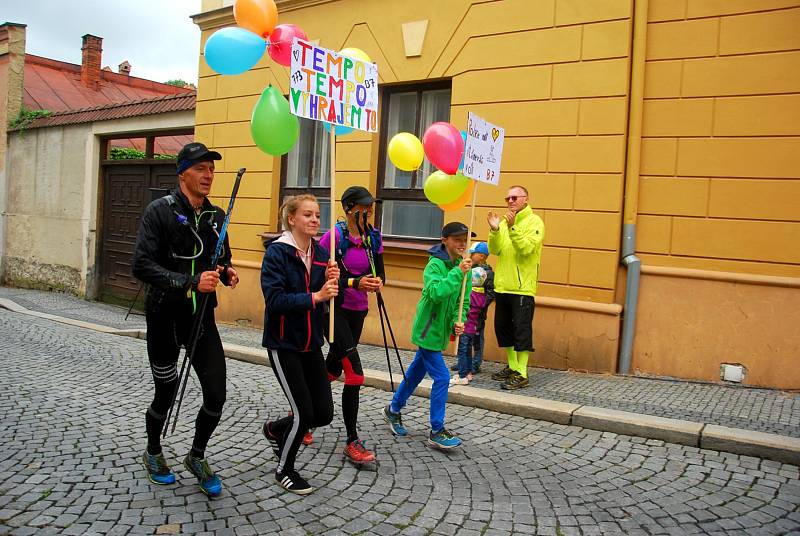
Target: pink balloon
[[280, 42], [444, 146]]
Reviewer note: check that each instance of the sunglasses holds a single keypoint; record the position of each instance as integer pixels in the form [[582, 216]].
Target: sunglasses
[[513, 198]]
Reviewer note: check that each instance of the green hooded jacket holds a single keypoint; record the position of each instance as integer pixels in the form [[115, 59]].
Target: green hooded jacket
[[437, 309], [519, 252]]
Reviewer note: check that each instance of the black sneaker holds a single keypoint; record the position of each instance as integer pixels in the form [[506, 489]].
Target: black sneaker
[[291, 481], [503, 374], [517, 381], [274, 441]]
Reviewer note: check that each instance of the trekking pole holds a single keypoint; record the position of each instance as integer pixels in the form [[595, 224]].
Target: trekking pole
[[381, 303], [368, 249], [188, 355], [133, 302]]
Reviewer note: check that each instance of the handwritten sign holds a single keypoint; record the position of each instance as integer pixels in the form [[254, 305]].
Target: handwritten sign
[[483, 150], [332, 88]]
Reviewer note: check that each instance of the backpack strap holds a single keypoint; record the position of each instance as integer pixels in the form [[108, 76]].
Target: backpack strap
[[344, 240], [375, 240]]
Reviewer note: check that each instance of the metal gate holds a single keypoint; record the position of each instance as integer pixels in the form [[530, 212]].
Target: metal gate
[[128, 188]]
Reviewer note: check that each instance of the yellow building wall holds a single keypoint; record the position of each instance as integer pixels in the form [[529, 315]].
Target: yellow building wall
[[720, 165], [720, 189]]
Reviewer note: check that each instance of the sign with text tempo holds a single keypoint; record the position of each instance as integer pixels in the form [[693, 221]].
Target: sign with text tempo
[[332, 88], [483, 150]]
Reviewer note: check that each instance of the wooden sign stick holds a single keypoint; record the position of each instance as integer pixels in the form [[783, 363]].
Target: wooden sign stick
[[469, 273], [333, 222]]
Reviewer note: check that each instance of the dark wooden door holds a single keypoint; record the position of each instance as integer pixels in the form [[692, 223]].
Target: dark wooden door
[[128, 189]]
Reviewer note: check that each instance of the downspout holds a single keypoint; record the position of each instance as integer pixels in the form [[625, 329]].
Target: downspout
[[631, 199]]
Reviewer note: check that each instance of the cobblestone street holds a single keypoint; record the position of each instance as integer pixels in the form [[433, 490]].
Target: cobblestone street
[[73, 403]]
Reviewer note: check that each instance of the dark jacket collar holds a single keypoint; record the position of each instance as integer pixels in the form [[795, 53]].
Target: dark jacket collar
[[440, 252], [184, 203]]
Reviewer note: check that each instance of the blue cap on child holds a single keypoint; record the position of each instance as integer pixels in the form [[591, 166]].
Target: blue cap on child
[[480, 247]]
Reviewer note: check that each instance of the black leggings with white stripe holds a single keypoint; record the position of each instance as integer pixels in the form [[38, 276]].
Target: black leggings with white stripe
[[304, 381], [166, 332]]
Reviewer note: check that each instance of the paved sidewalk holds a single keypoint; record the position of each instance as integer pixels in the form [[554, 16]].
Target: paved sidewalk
[[72, 404], [736, 406]]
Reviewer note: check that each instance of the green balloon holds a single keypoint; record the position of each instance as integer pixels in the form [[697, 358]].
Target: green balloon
[[273, 127], [443, 189]]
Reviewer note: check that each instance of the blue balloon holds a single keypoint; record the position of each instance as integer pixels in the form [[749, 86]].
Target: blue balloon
[[463, 137], [341, 130], [233, 50]]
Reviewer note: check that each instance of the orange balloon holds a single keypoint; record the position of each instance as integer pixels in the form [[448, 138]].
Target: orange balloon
[[462, 201], [258, 16]]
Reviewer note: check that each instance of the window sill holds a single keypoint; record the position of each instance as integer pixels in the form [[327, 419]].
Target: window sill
[[409, 245], [388, 242]]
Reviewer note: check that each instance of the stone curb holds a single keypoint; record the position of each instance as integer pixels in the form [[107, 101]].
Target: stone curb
[[750, 443], [707, 436], [637, 424]]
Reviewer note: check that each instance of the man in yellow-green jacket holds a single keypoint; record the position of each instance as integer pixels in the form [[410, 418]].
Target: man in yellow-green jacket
[[516, 238]]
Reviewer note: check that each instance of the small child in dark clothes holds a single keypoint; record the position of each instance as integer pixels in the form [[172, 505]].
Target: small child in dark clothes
[[470, 344]]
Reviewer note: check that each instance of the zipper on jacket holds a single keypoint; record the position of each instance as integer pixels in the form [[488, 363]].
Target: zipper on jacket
[[281, 331], [428, 325], [307, 273]]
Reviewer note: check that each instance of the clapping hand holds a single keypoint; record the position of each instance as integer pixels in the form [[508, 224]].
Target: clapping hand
[[493, 220]]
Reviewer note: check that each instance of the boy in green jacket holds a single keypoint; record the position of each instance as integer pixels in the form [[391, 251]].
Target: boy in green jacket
[[436, 319]]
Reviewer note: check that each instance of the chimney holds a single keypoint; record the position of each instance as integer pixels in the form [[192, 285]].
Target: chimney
[[125, 68], [90, 65], [12, 55]]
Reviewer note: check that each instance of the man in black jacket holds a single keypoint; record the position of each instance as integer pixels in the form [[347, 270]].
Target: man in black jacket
[[176, 242]]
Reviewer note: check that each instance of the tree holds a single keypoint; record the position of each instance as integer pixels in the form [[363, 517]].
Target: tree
[[180, 83]]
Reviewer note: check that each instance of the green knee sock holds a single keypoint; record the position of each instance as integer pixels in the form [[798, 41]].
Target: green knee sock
[[512, 357], [522, 362]]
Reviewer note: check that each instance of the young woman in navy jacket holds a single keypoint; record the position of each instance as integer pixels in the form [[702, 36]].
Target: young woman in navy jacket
[[297, 279]]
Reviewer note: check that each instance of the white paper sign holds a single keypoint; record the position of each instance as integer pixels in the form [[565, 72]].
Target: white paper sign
[[332, 88], [483, 150]]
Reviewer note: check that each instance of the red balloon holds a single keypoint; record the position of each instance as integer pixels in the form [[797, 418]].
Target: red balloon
[[280, 42], [444, 146]]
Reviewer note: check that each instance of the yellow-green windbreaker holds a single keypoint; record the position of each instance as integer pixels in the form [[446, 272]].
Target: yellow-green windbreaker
[[519, 251]]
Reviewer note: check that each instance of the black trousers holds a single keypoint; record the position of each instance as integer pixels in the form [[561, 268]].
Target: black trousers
[[167, 331], [513, 321], [343, 357], [304, 381]]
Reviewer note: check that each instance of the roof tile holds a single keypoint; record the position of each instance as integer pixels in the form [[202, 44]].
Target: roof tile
[[154, 105]]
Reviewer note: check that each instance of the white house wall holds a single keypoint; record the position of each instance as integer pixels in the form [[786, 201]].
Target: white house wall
[[51, 229]]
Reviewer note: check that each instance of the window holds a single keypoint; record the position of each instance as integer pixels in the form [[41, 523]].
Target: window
[[306, 168], [405, 211]]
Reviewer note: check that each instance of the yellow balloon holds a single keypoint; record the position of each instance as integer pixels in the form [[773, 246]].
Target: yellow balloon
[[357, 53], [406, 151]]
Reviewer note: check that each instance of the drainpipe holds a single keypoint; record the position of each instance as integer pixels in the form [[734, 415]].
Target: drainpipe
[[632, 168], [634, 267]]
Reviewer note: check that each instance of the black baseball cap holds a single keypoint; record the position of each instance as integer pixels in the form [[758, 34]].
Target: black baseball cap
[[356, 195], [455, 228], [197, 152]]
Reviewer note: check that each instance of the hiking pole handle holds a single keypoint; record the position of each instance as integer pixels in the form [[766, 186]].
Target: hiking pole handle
[[224, 231]]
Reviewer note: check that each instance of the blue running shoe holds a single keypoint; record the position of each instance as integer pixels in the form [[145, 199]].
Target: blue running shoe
[[210, 484], [443, 440], [158, 472], [394, 420]]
